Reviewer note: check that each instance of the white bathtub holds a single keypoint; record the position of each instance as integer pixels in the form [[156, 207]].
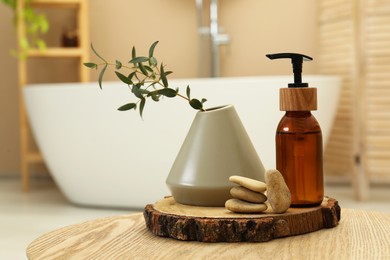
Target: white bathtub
[[99, 156]]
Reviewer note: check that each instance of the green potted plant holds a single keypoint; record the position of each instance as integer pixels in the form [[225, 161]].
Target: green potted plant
[[36, 25], [216, 147]]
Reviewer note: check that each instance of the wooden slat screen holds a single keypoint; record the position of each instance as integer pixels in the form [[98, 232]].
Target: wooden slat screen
[[376, 89], [354, 43], [336, 57]]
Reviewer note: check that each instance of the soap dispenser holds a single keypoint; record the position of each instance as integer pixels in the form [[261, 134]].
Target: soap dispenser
[[299, 138]]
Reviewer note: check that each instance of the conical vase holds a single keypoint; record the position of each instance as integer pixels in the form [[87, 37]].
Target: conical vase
[[216, 147]]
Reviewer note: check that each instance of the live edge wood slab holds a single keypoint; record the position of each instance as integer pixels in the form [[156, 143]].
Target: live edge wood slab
[[167, 218]]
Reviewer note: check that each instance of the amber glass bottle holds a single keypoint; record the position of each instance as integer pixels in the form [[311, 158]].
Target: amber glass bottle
[[299, 138], [299, 157]]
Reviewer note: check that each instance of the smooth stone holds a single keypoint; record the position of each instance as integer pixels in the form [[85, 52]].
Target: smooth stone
[[251, 184], [245, 194], [240, 206], [278, 194]]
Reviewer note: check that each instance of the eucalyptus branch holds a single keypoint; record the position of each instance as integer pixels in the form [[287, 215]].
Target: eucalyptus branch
[[145, 73]]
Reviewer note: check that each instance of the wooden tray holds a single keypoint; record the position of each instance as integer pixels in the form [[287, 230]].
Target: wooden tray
[[167, 218]]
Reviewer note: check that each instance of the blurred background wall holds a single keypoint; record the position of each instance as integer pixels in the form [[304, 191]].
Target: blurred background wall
[[255, 27]]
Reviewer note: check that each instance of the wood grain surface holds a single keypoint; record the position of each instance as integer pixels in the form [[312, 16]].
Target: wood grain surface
[[167, 218], [360, 235]]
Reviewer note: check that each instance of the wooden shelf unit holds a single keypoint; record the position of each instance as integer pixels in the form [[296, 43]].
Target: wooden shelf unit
[[30, 156], [56, 52], [57, 3]]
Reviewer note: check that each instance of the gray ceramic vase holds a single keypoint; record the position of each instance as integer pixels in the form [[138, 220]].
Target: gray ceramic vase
[[216, 147]]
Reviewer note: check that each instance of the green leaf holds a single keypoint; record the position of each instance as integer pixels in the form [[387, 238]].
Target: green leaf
[[203, 100], [137, 91], [123, 78], [128, 107], [91, 65], [24, 44], [163, 76], [43, 24], [143, 70], [97, 54], [151, 49], [100, 79], [131, 75], [11, 3], [155, 98], [118, 64], [41, 44], [196, 104], [141, 106], [133, 53], [28, 13], [168, 92], [144, 91], [153, 61], [188, 91], [138, 60], [148, 68]]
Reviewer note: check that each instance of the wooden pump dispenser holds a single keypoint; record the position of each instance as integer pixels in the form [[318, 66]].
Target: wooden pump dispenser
[[299, 138]]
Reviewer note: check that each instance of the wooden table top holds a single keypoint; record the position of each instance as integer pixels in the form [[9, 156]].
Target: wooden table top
[[360, 235]]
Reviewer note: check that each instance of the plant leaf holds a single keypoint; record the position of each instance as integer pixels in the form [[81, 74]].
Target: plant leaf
[[43, 24], [148, 68], [128, 107], [131, 75], [163, 76], [196, 104], [203, 100], [151, 49], [138, 60], [141, 106], [123, 78], [188, 91], [91, 65], [133, 53], [97, 54], [168, 92], [137, 91], [40, 44], [143, 91], [118, 64], [100, 79], [155, 97], [24, 44], [143, 70], [153, 61]]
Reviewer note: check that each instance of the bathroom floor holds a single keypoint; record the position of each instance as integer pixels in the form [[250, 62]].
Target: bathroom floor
[[25, 216]]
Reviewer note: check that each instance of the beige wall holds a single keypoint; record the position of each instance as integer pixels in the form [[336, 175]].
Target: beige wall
[[9, 120], [118, 25], [256, 27]]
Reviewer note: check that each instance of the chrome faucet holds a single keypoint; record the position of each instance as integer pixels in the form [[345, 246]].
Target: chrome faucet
[[214, 31]]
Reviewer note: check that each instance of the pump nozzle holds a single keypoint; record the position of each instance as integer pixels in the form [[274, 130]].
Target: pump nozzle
[[296, 60]]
